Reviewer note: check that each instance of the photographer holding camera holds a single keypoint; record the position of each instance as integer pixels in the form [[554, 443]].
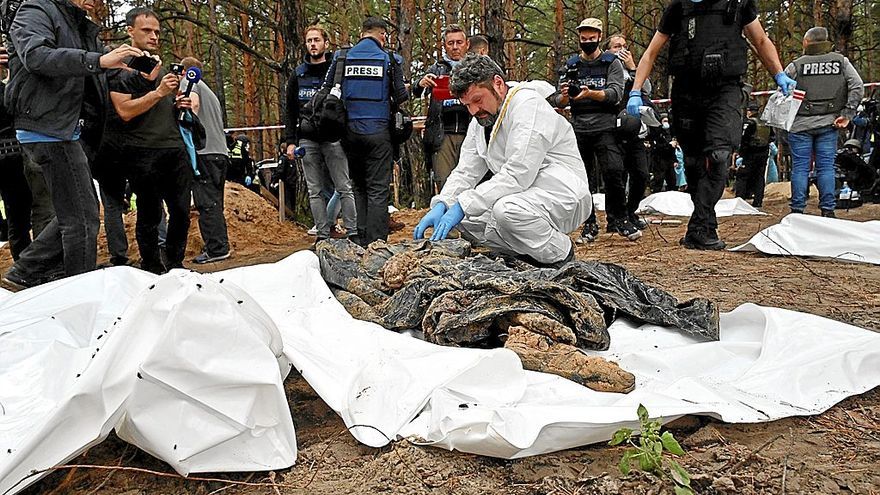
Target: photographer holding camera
[[157, 164], [592, 82]]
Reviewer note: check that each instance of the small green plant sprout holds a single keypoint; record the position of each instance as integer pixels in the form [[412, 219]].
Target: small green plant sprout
[[649, 453]]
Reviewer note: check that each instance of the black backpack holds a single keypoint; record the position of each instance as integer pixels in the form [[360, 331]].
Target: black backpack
[[323, 117]]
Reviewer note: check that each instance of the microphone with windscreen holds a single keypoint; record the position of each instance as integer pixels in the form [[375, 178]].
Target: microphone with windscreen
[[193, 76]]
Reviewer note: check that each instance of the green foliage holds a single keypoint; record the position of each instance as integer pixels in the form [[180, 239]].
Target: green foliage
[[652, 451]]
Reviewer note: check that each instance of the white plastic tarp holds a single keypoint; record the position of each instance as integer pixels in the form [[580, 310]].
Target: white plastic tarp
[[679, 204], [770, 363], [185, 368], [819, 237]]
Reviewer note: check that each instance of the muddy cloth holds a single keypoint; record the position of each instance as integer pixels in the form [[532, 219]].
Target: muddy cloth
[[456, 298]]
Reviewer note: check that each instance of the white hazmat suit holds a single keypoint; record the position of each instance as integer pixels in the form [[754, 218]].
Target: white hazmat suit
[[538, 192]]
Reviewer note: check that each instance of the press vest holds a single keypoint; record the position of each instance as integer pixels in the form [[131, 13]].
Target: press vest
[[822, 77], [709, 45], [309, 83], [593, 74], [756, 139], [366, 82]]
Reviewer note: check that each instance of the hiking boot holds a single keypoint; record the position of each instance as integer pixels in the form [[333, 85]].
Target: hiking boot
[[637, 221], [589, 234], [705, 244], [14, 280], [207, 258], [828, 214], [624, 228]]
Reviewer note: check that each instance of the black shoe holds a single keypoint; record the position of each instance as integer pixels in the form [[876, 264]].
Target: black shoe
[[691, 242], [624, 228], [828, 214], [14, 280], [637, 221], [590, 233], [756, 204]]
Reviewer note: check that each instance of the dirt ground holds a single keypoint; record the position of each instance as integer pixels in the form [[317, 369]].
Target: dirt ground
[[835, 452]]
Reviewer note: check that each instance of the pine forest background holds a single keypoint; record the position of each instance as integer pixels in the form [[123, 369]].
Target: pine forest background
[[250, 47]]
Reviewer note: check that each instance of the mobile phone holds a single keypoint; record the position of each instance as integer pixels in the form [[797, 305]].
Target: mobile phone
[[144, 64], [177, 69]]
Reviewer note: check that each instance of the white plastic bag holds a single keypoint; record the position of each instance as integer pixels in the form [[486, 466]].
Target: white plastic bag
[[781, 110]]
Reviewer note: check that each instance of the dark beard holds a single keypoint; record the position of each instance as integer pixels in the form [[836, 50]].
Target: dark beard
[[315, 58], [489, 121]]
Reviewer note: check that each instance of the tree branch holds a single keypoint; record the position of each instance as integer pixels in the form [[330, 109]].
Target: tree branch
[[178, 15]]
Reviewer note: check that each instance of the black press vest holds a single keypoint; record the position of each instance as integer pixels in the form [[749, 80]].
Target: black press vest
[[595, 76]]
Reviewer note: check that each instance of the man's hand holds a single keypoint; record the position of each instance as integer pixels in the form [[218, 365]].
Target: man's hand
[[428, 81], [183, 102], [4, 57], [431, 219], [634, 102], [841, 122], [450, 219], [116, 58], [626, 57], [785, 83], [169, 85], [588, 94]]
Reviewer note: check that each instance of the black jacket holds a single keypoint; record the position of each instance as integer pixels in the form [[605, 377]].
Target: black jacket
[[294, 106], [55, 54]]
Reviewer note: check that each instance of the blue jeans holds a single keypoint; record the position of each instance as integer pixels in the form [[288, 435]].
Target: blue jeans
[[822, 142], [326, 168]]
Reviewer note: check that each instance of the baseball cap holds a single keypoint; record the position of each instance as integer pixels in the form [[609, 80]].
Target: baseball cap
[[590, 23]]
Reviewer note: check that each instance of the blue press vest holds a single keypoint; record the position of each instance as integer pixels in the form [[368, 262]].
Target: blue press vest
[[595, 75], [366, 84], [309, 84]]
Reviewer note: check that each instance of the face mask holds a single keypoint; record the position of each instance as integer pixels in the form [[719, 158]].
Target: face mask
[[666, 125], [589, 46]]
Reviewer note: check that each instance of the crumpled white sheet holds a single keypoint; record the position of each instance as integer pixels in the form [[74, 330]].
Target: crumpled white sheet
[[186, 368], [599, 201], [770, 363], [819, 237], [679, 204]]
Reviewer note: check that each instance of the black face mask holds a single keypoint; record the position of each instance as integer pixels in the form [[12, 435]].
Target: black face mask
[[589, 46]]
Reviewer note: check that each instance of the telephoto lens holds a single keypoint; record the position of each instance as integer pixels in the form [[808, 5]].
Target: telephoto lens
[[574, 83]]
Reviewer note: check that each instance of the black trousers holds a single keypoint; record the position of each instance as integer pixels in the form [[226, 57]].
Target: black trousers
[[750, 180], [708, 125], [601, 154], [662, 172], [635, 162], [109, 173], [16, 196], [69, 243], [369, 164], [158, 175], [208, 196]]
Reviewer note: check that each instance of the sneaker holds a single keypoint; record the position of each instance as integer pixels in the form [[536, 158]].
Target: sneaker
[[313, 230], [207, 258], [589, 234], [828, 214], [702, 244], [624, 228], [637, 221]]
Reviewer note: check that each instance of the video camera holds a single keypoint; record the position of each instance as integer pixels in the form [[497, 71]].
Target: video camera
[[572, 77]]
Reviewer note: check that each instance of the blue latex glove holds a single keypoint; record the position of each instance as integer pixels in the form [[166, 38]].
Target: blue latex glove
[[634, 102], [785, 83], [453, 217], [431, 219], [248, 181]]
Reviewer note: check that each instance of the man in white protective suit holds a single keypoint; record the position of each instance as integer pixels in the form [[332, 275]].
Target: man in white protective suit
[[538, 188]]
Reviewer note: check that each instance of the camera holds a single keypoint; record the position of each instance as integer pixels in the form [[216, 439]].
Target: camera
[[574, 83], [177, 69]]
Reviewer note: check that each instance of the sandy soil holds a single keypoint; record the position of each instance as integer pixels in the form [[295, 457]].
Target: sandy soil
[[836, 452]]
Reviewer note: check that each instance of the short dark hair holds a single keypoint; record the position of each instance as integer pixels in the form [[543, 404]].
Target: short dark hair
[[136, 12], [473, 70], [371, 23], [452, 28], [478, 41]]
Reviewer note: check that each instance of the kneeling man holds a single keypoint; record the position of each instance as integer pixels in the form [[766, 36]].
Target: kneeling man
[[538, 188]]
